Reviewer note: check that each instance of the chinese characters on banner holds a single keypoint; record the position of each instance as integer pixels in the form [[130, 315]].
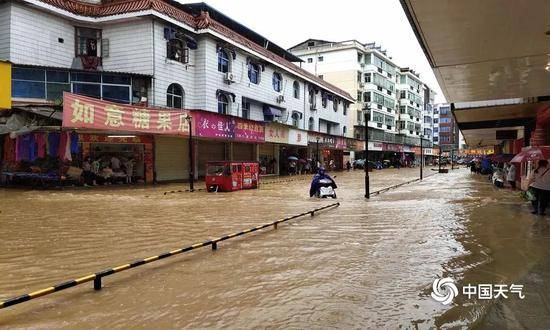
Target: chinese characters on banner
[[213, 125], [86, 112]]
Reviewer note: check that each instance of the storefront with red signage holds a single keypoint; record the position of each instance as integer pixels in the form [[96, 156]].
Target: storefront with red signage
[[331, 149], [221, 137]]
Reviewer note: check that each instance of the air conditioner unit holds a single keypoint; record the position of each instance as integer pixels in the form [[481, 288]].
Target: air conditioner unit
[[229, 77], [361, 84], [280, 99], [362, 65]]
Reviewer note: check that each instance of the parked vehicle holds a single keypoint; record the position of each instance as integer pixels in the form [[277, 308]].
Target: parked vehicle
[[231, 176]]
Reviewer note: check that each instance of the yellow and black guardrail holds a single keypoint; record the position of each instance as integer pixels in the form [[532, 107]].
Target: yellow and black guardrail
[[97, 277]]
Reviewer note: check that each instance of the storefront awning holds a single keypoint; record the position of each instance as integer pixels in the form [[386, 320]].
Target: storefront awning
[[532, 154], [271, 111]]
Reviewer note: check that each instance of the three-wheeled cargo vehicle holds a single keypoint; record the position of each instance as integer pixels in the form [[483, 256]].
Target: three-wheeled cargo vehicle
[[231, 176]]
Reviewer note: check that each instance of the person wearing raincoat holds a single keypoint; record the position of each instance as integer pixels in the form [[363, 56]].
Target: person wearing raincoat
[[315, 182]]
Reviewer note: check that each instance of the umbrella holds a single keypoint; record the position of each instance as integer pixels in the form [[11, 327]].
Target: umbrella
[[302, 161], [292, 158]]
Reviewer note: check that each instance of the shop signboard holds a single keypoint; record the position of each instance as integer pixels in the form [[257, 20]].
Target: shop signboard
[[5, 85], [376, 146], [326, 141], [392, 147], [297, 137], [90, 113], [408, 149], [276, 133], [360, 145], [213, 125], [102, 138], [341, 143]]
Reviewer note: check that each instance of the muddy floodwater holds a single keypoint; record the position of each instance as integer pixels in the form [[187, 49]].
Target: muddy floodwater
[[365, 264]]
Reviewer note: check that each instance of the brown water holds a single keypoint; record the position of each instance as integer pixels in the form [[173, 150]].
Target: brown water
[[364, 264]]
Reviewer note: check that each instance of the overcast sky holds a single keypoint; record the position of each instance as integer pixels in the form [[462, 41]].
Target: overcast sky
[[288, 22]]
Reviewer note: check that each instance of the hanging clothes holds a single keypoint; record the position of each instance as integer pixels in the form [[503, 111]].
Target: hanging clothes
[[32, 147], [9, 149], [74, 142], [40, 144], [62, 149], [23, 147], [67, 155], [53, 144]]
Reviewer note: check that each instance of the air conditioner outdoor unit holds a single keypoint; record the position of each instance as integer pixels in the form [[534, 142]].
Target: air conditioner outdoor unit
[[280, 99], [229, 77], [361, 84], [362, 65]]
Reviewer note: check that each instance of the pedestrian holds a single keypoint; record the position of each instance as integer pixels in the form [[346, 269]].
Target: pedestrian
[[129, 165], [307, 168], [511, 176], [540, 184], [348, 165]]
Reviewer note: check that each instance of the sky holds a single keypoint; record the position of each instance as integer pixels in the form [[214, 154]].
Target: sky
[[289, 22]]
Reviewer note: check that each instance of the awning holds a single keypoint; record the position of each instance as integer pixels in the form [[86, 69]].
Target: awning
[[531, 154], [271, 111]]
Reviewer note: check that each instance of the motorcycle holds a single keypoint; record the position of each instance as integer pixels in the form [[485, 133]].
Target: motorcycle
[[325, 188]]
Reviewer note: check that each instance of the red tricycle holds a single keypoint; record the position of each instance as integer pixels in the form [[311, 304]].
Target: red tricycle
[[231, 176]]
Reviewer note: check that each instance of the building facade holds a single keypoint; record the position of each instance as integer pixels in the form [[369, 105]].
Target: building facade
[[446, 132], [397, 103], [162, 54]]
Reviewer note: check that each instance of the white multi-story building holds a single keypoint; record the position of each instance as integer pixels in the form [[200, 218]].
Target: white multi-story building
[[164, 54], [395, 96], [364, 71]]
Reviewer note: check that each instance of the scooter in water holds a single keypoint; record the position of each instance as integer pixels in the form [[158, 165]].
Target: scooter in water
[[325, 189]]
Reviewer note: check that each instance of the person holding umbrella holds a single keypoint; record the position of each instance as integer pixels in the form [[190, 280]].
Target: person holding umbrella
[[292, 164]]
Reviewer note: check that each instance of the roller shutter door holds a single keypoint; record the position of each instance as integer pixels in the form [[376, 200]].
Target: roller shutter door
[[171, 158], [243, 152], [209, 151]]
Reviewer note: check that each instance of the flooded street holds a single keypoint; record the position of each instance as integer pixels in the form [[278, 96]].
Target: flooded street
[[363, 264]]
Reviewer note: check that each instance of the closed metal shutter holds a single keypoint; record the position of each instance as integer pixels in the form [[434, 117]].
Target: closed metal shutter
[[243, 152], [171, 158], [207, 152]]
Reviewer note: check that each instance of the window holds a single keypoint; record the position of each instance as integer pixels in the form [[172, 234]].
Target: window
[[359, 96], [177, 51], [445, 120], [436, 139], [277, 82], [324, 100], [367, 77], [246, 108], [368, 58], [311, 124], [402, 95], [366, 97], [296, 119], [436, 120], [346, 105], [254, 73], [359, 78], [223, 61], [445, 129], [28, 83], [320, 59], [402, 109], [296, 88], [444, 110], [310, 60], [311, 43], [335, 104], [223, 104], [344, 130], [88, 42], [377, 117], [174, 96], [359, 57], [312, 99]]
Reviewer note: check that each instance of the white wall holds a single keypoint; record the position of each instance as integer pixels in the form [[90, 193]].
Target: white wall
[[130, 46], [167, 71], [34, 38], [5, 9]]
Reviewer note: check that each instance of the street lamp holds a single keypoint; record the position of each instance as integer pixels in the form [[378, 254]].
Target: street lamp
[[318, 163], [439, 146], [421, 156], [366, 114], [188, 118]]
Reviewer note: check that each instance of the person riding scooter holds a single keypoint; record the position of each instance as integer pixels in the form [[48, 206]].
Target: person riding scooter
[[322, 180]]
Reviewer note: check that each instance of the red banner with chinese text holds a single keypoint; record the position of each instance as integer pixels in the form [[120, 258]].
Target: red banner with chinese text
[[86, 112]]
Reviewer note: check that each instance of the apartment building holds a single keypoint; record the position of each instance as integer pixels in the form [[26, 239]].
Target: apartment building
[[162, 54], [395, 100]]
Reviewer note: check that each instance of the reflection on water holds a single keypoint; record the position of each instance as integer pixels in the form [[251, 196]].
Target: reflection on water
[[364, 264]]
